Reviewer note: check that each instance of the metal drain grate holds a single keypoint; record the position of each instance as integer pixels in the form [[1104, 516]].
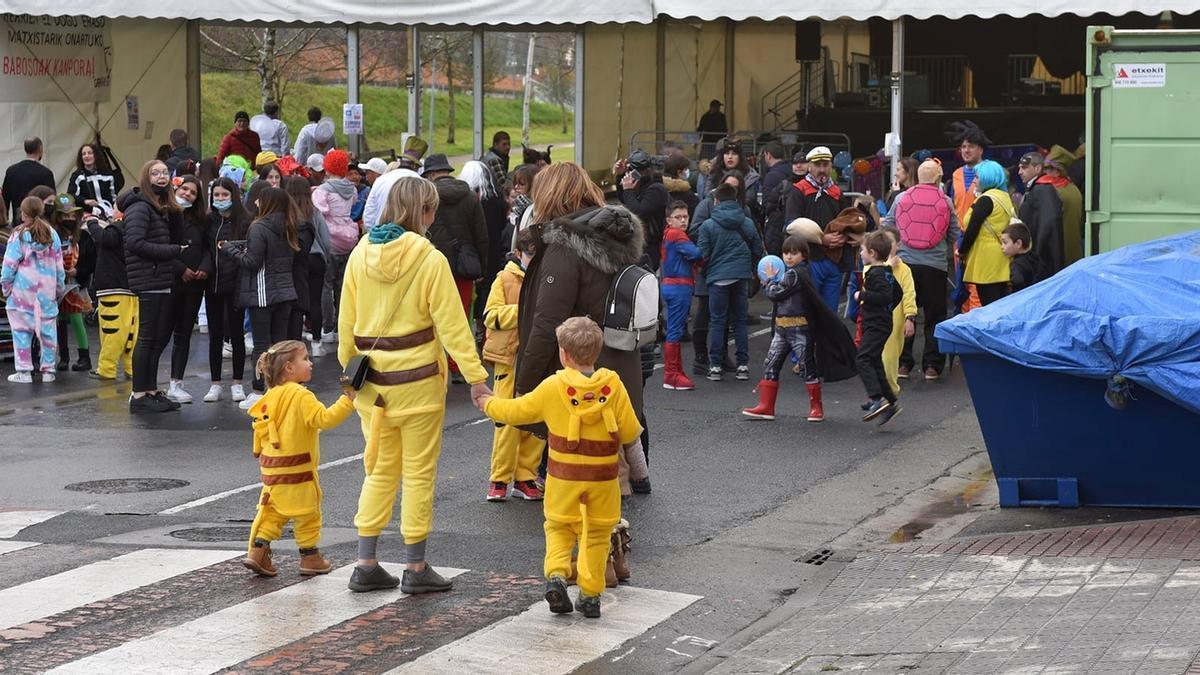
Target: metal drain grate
[[119, 486], [210, 535], [817, 558]]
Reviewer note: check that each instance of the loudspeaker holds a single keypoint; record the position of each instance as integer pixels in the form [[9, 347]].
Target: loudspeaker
[[808, 41]]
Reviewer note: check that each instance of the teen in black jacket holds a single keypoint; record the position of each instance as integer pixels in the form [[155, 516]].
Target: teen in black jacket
[[266, 287], [191, 229], [227, 221], [152, 262]]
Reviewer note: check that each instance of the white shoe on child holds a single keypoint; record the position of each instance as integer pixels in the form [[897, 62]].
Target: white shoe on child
[[214, 394], [21, 377], [48, 376], [237, 393], [177, 393]]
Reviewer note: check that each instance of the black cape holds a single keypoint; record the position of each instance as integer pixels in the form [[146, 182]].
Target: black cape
[[834, 347]]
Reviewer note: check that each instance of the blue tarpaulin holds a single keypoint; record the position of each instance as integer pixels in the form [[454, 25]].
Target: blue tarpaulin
[[1132, 312]]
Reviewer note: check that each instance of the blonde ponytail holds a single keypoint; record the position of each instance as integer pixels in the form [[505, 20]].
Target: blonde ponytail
[[270, 365]]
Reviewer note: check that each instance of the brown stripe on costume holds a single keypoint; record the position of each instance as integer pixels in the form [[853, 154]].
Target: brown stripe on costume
[[391, 344], [288, 478], [581, 472], [583, 446], [394, 377], [285, 460]]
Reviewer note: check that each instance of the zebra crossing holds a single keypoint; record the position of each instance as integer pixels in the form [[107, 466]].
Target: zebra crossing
[[104, 609]]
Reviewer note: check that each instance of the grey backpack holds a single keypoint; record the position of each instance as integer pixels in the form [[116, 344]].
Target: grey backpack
[[631, 310]]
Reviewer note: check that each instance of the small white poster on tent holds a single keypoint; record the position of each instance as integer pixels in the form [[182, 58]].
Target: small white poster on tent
[[352, 118], [1139, 75], [55, 58]]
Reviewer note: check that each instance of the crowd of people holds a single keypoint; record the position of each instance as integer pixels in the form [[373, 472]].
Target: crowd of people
[[417, 278]]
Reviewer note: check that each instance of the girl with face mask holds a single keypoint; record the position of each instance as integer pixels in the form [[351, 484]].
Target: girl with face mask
[[153, 261], [227, 221], [190, 228]]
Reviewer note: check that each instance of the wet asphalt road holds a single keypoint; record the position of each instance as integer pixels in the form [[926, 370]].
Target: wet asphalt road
[[713, 472]]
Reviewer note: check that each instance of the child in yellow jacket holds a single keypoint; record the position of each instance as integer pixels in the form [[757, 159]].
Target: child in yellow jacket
[[589, 418], [903, 316], [287, 421], [515, 453]]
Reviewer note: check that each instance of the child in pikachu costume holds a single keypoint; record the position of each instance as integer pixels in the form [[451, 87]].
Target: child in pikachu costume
[[515, 453], [287, 422], [589, 417]]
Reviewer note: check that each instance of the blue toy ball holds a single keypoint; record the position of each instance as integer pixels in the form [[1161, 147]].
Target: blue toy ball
[[842, 161], [773, 261]]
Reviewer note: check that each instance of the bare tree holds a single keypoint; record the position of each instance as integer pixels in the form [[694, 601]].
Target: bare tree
[[273, 54], [555, 79], [452, 51]]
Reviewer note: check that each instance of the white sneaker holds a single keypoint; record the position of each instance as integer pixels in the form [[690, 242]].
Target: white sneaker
[[318, 349], [21, 377], [250, 401], [238, 393], [227, 351], [48, 376], [177, 393], [214, 394], [330, 338]]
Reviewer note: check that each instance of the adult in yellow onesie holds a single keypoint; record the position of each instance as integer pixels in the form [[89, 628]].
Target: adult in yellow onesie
[[589, 417], [400, 307], [515, 453], [287, 421]]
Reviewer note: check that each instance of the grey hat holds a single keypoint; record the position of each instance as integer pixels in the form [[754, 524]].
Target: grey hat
[[437, 162]]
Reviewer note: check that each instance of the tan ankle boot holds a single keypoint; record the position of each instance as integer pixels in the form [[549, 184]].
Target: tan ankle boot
[[259, 561], [314, 563], [620, 550]]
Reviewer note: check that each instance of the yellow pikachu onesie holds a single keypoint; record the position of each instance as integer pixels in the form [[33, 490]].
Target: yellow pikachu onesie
[[287, 420], [401, 308], [589, 418], [515, 453]]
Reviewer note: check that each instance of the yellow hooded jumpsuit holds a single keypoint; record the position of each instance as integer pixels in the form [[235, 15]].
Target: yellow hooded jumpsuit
[[402, 292], [287, 420], [588, 419], [515, 453]]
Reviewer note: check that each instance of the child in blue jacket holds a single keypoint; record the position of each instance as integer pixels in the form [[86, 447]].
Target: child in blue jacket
[[678, 280]]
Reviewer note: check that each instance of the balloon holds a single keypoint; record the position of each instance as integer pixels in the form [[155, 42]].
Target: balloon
[[841, 160], [775, 262], [862, 167]]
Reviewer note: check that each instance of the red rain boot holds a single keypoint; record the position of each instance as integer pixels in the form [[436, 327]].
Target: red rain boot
[[816, 411], [765, 410], [673, 375]]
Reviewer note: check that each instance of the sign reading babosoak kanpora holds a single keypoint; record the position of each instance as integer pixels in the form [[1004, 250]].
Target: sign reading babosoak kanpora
[[55, 58]]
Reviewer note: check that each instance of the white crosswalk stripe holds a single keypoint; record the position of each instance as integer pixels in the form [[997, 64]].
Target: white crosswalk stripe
[[12, 522], [99, 580], [8, 546], [537, 641], [237, 633], [300, 614]]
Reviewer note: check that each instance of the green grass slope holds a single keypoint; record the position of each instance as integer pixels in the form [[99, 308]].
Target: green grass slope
[[385, 111]]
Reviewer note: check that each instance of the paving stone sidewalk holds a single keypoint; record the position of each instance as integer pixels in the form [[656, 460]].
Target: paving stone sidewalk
[[981, 609]]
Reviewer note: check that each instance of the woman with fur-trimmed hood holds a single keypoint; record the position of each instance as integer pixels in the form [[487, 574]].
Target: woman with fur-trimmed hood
[[581, 244]]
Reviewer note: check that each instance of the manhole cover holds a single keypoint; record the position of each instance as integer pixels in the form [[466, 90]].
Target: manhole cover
[[205, 535], [117, 486]]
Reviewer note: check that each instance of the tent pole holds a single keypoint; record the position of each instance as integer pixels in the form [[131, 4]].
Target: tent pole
[[660, 63], [897, 90], [352, 80], [730, 29], [477, 91], [414, 83], [579, 103], [193, 85]]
